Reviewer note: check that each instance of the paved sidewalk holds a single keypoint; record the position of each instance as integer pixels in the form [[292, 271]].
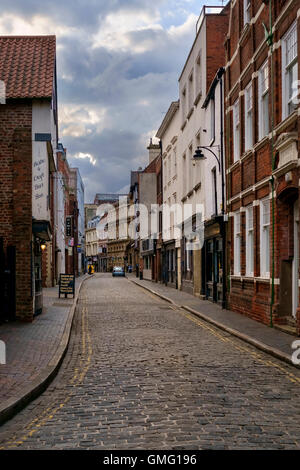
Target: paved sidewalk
[[270, 340], [34, 350]]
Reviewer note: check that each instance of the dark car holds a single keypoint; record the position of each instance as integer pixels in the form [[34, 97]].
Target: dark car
[[118, 271]]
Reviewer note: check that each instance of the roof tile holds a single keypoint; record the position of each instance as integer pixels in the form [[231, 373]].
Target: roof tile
[[27, 65]]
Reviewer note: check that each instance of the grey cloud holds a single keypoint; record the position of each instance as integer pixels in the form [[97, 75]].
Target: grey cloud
[[135, 89]]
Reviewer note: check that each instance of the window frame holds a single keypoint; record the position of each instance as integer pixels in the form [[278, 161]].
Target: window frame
[[237, 243], [248, 118], [287, 67], [236, 131], [250, 237], [264, 242], [262, 95], [247, 11]]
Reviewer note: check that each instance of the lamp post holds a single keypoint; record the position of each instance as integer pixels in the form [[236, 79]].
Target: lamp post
[[199, 155]]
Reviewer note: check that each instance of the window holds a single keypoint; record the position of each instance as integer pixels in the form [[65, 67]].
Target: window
[[212, 119], [247, 12], [190, 169], [290, 71], [175, 161], [237, 243], [183, 106], [198, 82], [265, 238], [184, 175], [249, 242], [214, 191], [191, 92], [236, 131], [248, 118], [263, 97]]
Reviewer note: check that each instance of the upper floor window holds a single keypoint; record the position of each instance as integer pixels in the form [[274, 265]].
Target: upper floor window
[[263, 101], [236, 131], [191, 92], [198, 81], [183, 105], [248, 117], [175, 160], [290, 71], [212, 119], [247, 12]]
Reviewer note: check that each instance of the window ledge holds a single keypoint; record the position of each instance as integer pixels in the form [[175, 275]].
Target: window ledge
[[286, 122], [246, 155], [197, 99], [263, 141], [183, 125], [197, 186], [190, 112]]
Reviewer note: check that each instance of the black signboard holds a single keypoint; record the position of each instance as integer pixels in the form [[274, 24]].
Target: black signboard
[[69, 226], [66, 285]]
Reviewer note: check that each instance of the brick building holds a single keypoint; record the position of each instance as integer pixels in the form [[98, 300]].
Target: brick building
[[28, 139], [262, 145]]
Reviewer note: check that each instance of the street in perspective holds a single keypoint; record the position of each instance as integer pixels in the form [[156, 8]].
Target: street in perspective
[[141, 373], [149, 229]]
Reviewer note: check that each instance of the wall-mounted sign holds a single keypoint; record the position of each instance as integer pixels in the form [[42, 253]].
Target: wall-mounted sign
[[68, 226], [66, 285]]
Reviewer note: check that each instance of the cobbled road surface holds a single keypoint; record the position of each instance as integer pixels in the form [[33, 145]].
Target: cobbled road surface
[[141, 374]]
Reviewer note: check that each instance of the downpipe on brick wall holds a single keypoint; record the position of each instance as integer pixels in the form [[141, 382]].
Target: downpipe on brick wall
[[269, 41]]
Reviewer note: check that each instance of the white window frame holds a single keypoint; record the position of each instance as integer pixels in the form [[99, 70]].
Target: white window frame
[[265, 213], [288, 64], [247, 11], [263, 101], [237, 243], [236, 131], [250, 241], [248, 117]]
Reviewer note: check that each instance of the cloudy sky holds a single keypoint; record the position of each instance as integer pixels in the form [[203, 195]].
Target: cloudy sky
[[118, 68]]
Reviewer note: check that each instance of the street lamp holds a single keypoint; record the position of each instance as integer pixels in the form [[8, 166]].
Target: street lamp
[[198, 156]]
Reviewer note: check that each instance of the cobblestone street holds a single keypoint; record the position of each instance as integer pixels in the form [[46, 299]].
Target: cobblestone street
[[141, 374]]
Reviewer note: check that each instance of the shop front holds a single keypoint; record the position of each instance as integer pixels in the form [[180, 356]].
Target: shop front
[[212, 262], [41, 234]]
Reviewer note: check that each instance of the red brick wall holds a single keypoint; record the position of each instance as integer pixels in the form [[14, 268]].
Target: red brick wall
[[216, 30], [16, 195], [246, 296]]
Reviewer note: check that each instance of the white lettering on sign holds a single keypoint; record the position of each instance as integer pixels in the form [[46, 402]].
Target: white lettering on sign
[[40, 181]]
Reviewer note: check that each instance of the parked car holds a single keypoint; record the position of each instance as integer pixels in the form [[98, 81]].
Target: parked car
[[118, 271]]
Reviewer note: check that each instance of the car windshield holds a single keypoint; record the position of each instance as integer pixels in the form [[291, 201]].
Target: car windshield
[[118, 269]]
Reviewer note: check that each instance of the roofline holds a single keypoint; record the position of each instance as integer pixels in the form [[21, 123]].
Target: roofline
[[212, 87], [200, 29], [173, 108], [20, 36]]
